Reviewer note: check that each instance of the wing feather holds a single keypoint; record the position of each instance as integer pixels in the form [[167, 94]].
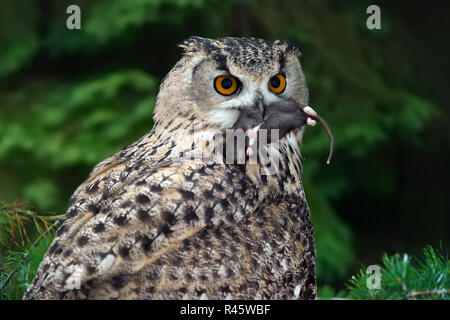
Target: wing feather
[[124, 217]]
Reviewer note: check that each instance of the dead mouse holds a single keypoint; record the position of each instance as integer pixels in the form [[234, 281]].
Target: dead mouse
[[284, 116]]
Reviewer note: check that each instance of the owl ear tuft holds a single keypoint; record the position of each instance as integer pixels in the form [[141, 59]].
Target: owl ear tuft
[[288, 47], [193, 44]]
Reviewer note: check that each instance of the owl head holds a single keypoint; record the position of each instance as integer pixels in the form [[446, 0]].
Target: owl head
[[217, 78]]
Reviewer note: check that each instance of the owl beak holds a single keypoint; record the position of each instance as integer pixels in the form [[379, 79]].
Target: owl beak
[[260, 105]]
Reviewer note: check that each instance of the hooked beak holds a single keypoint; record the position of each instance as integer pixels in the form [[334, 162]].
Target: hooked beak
[[258, 105]]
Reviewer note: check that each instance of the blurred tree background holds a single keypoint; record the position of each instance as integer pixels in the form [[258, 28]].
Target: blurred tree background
[[71, 98]]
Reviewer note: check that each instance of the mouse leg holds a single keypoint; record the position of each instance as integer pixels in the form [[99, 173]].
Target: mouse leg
[[249, 121], [252, 134]]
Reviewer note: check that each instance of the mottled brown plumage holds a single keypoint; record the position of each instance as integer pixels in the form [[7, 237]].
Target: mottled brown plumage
[[149, 224]]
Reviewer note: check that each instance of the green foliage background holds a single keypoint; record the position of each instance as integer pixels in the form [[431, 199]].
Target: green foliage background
[[71, 98]]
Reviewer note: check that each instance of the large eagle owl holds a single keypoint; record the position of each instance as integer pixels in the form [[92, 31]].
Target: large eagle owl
[[152, 223]]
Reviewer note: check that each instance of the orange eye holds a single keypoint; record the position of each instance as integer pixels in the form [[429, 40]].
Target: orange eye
[[226, 85], [277, 83]]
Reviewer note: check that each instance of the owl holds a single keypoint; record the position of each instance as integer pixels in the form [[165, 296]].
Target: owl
[[165, 218]]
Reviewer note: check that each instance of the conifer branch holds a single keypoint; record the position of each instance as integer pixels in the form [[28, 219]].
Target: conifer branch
[[427, 274], [26, 256]]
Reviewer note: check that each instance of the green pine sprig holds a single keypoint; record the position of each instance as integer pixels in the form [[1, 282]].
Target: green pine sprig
[[18, 225], [407, 278]]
